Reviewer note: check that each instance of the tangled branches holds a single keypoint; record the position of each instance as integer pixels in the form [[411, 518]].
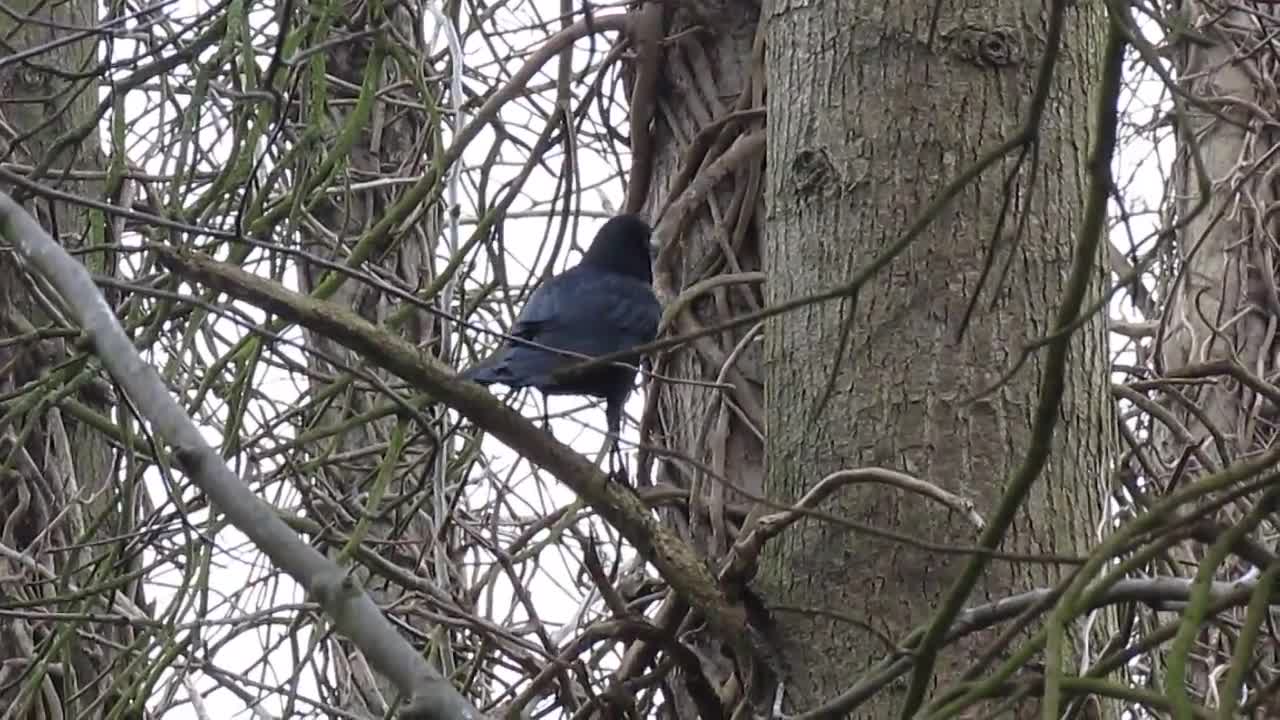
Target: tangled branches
[[303, 217]]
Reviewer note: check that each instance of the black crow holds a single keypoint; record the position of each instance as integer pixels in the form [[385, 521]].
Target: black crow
[[603, 305]]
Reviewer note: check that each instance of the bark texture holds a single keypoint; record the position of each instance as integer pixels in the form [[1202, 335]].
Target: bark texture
[[867, 122], [54, 468], [721, 428], [713, 435]]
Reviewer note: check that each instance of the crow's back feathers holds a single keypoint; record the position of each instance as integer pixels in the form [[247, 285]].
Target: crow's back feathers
[[603, 305], [582, 311]]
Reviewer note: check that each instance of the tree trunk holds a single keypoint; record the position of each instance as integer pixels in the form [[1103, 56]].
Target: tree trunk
[[52, 463], [391, 142], [1222, 307], [709, 265], [866, 124]]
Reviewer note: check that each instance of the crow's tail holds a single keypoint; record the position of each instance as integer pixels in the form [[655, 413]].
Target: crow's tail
[[478, 374], [486, 373]]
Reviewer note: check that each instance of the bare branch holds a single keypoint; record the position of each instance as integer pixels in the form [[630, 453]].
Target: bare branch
[[353, 612], [624, 509]]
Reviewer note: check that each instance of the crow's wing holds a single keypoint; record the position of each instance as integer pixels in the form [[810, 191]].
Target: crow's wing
[[591, 312], [582, 310], [543, 306]]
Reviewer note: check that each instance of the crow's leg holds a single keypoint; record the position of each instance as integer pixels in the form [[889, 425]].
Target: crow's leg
[[613, 420], [546, 419], [617, 466]]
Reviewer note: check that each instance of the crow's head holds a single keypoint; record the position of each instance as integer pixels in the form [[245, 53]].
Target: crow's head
[[622, 246]]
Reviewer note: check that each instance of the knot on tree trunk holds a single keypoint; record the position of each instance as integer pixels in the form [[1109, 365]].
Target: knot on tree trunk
[[986, 46]]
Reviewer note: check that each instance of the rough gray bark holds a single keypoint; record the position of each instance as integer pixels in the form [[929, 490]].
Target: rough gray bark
[[867, 122], [51, 462]]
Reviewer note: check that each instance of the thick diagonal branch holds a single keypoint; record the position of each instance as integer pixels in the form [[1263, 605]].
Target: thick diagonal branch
[[675, 559]]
